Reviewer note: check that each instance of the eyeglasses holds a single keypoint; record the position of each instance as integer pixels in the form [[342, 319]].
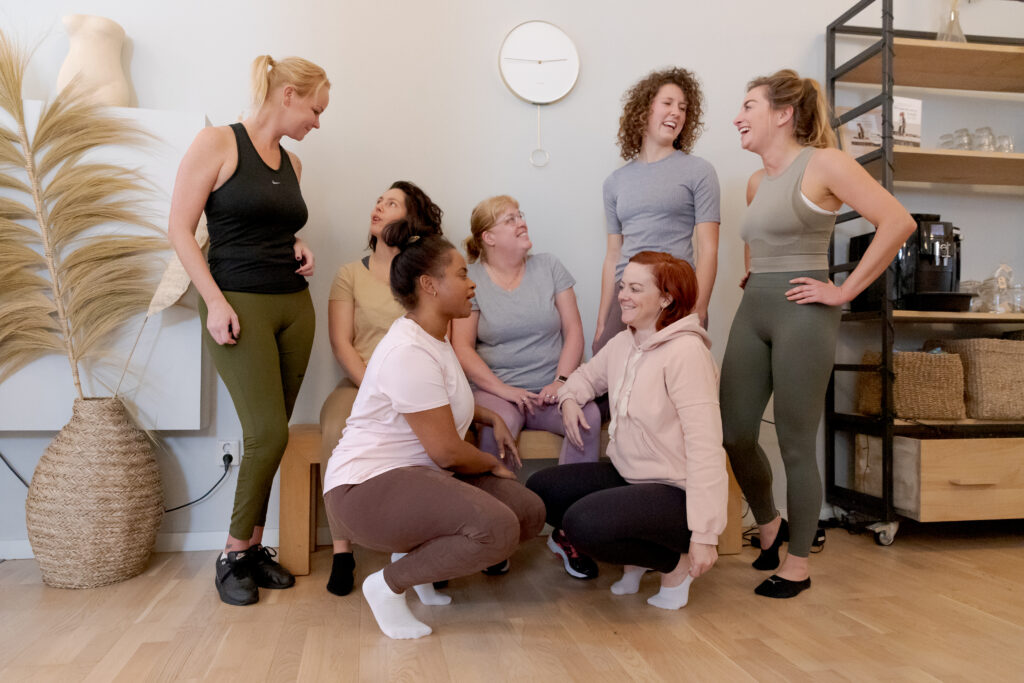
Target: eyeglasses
[[513, 218]]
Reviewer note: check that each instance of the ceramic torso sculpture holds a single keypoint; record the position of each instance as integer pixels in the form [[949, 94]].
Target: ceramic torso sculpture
[[95, 56]]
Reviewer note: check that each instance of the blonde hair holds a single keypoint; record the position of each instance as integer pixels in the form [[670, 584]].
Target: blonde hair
[[484, 216], [812, 122], [268, 74]]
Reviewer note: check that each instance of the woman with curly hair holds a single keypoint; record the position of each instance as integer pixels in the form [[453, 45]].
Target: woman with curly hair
[[360, 312], [664, 199]]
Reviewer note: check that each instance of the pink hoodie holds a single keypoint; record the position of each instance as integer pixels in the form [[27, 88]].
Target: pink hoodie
[[666, 426]]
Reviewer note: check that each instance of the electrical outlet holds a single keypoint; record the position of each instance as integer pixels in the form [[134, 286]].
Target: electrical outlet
[[229, 447]]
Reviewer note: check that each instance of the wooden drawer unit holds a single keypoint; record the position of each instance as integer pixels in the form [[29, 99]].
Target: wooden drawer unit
[[947, 480], [964, 479]]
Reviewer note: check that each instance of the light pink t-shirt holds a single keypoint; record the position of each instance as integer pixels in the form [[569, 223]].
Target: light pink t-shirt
[[409, 371]]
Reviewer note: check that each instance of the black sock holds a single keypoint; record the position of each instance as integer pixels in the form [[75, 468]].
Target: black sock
[[342, 574]]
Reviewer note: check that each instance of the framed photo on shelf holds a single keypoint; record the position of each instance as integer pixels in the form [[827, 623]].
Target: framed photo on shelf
[[864, 133]]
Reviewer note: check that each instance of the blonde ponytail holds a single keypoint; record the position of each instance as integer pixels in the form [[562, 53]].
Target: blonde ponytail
[[473, 248], [302, 74], [260, 80], [812, 121]]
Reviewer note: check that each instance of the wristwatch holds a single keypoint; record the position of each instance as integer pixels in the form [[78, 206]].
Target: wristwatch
[[561, 378]]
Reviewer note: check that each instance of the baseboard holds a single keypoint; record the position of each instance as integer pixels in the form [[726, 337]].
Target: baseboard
[[165, 543], [16, 550], [203, 540]]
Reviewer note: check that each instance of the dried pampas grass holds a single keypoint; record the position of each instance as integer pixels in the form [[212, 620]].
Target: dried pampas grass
[[63, 285]]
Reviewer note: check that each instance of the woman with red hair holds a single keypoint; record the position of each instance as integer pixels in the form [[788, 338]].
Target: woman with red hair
[[660, 503]]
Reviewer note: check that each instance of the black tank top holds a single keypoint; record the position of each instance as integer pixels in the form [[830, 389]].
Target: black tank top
[[252, 219]]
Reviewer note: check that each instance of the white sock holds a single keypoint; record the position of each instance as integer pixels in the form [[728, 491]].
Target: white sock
[[630, 581], [426, 592], [672, 598], [390, 611]]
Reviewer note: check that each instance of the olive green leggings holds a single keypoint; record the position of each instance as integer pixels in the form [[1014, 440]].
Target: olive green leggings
[[263, 373], [776, 345]]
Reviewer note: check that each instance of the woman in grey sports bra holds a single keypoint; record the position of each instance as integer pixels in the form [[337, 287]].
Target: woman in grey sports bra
[[783, 337]]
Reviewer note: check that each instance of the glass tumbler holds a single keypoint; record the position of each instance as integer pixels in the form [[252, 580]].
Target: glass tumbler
[[962, 139], [984, 140]]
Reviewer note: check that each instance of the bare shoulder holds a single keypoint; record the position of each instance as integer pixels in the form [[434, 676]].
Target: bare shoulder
[[753, 184], [212, 148], [830, 161], [214, 140]]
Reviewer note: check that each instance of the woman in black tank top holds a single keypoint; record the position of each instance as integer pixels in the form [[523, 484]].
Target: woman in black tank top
[[255, 301], [783, 337]]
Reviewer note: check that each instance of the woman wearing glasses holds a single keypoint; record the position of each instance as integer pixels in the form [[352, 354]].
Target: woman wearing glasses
[[525, 335], [522, 340]]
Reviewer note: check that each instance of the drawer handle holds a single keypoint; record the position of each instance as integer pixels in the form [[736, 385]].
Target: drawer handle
[[972, 482]]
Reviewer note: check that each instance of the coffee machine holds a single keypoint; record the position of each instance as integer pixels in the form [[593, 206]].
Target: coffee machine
[[925, 275]]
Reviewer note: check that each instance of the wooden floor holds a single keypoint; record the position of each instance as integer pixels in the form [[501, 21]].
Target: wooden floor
[[945, 602]]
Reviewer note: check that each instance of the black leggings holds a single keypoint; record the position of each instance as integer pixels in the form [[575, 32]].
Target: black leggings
[[611, 520]]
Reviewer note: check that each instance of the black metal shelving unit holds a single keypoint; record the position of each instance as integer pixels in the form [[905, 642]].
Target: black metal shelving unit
[[883, 54]]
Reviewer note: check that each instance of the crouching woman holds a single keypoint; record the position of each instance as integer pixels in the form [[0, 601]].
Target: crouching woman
[[402, 479], [660, 503]]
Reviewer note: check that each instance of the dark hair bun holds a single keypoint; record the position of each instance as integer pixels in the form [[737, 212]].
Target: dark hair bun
[[417, 255], [399, 234]]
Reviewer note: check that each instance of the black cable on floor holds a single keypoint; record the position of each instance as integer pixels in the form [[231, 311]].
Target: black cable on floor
[[14, 471]]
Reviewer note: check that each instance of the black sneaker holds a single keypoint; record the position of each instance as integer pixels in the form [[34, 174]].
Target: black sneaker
[[497, 569], [234, 580], [576, 565], [265, 571]]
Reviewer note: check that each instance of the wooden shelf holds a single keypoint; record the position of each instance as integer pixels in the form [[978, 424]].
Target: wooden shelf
[[958, 166], [950, 317], [956, 66], [928, 429], [901, 316], [966, 422]]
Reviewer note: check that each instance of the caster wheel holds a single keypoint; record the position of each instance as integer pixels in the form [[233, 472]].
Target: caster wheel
[[885, 532]]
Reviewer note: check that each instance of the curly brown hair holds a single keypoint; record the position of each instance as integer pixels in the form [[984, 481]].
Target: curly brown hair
[[637, 108]]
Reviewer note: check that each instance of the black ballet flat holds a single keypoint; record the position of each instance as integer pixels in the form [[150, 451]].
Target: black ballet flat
[[769, 558], [778, 587]]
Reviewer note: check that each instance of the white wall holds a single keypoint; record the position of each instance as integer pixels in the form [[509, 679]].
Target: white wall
[[416, 95]]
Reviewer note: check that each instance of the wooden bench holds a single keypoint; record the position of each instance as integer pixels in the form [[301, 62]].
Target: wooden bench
[[300, 489], [300, 486]]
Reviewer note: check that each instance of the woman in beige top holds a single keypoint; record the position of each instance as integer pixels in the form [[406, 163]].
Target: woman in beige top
[[359, 313]]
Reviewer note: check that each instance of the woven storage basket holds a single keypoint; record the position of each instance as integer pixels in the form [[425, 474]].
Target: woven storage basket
[[928, 386], [994, 374], [95, 502]]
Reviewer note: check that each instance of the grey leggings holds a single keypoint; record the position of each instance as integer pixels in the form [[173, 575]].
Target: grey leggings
[[450, 526], [776, 345]]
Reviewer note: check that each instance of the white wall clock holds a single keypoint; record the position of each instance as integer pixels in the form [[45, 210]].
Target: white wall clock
[[539, 62]]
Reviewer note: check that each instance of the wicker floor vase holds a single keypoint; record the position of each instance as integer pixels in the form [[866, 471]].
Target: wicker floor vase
[[95, 502]]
